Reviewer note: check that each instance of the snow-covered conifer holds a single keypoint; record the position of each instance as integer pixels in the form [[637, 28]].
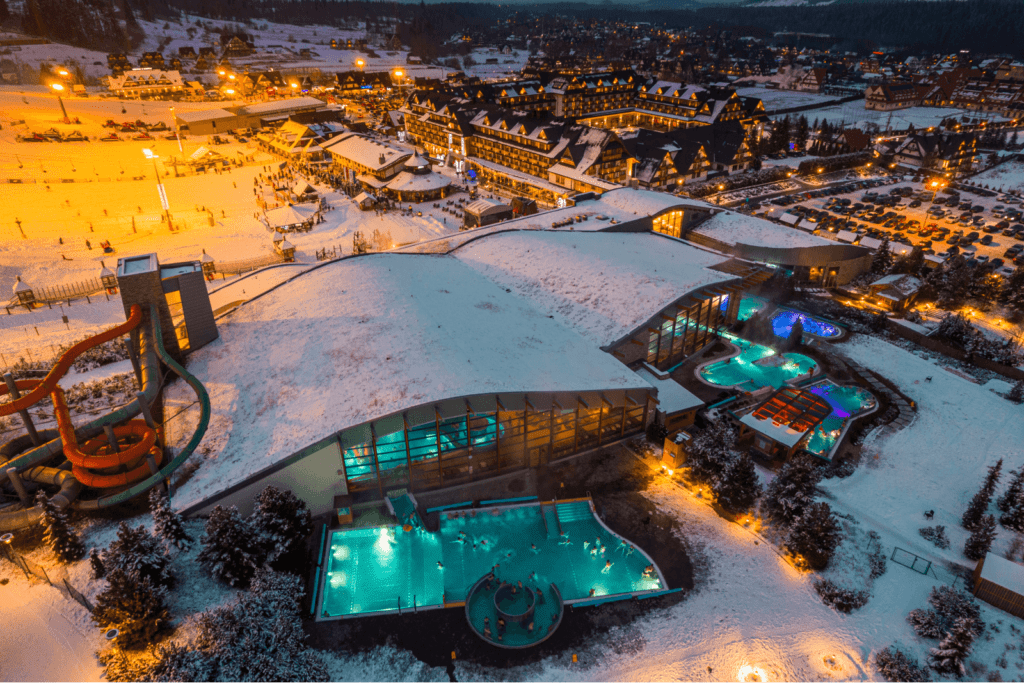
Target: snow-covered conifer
[[949, 657], [230, 551], [789, 494], [282, 522], [1006, 501], [978, 506], [739, 487], [167, 524], [815, 535], [58, 534], [96, 562], [895, 665], [981, 538], [710, 452], [135, 549], [132, 604]]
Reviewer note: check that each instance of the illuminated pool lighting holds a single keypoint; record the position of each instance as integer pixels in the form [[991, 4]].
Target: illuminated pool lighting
[[751, 674]]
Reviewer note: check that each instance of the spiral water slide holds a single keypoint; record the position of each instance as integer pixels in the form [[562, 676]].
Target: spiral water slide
[[133, 457]]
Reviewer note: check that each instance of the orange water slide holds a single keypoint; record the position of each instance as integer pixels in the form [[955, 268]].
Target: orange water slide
[[37, 389], [135, 440]]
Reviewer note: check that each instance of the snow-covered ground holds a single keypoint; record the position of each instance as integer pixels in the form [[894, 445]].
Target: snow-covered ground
[[854, 115], [1006, 177]]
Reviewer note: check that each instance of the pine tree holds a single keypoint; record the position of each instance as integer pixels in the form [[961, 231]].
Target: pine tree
[[980, 541], [791, 492], [796, 335], [1013, 491], [979, 504], [133, 605], [258, 637], [948, 658], [1013, 518], [883, 260], [135, 550], [739, 487], [815, 535], [1017, 393], [992, 478], [230, 551], [58, 533], [281, 521], [710, 452], [96, 562], [167, 524]]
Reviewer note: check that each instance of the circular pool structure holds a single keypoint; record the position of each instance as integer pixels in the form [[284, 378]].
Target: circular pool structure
[[513, 616]]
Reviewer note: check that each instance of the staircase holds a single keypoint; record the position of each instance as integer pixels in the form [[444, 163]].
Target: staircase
[[574, 512]]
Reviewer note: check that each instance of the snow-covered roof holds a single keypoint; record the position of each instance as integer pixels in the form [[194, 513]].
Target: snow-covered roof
[[575, 174], [365, 151], [291, 215], [290, 104], [484, 206], [602, 284], [672, 396], [903, 284], [647, 203], [781, 433], [737, 228], [20, 286], [1003, 572], [365, 337], [411, 182], [362, 197], [204, 115]]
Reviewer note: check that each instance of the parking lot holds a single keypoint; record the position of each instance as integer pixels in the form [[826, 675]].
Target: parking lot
[[985, 226]]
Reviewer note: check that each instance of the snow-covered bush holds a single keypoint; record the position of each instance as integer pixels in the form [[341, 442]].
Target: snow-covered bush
[[948, 606], [896, 665], [132, 604], [231, 550], [935, 534], [258, 637], [135, 550], [840, 599], [281, 521], [949, 657]]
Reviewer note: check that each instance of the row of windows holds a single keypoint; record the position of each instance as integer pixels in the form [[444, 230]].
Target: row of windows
[[476, 446], [690, 330]]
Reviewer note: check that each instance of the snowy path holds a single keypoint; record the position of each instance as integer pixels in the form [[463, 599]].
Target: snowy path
[[38, 642]]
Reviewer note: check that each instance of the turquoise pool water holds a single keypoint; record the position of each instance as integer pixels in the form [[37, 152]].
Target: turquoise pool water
[[756, 367], [749, 305], [547, 612], [382, 569], [847, 403]]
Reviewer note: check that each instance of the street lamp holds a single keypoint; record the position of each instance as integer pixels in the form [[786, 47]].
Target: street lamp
[[398, 74], [59, 88], [148, 153], [360, 63], [177, 135], [936, 185]]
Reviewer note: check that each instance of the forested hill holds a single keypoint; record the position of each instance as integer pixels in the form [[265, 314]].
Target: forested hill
[[983, 26]]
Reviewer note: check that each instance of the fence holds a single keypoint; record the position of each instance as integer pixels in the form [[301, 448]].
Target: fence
[[953, 352], [328, 253], [56, 577], [246, 265], [923, 566], [75, 290]]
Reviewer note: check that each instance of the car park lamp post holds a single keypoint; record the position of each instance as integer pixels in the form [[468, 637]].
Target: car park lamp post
[[936, 186], [59, 88], [159, 186], [177, 134], [360, 63]]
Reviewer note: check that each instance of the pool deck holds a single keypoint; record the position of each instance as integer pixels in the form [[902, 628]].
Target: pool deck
[[388, 569]]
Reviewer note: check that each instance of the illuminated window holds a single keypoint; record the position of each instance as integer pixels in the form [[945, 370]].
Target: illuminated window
[[669, 223]]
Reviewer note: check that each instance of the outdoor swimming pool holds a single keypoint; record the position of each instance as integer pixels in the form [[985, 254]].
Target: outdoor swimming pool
[[847, 403], [756, 367], [749, 305], [382, 569], [784, 319]]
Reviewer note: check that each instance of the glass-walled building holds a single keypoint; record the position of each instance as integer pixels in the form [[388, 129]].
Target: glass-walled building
[[491, 435]]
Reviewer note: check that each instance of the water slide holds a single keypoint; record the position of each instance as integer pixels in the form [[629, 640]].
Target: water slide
[[92, 461]]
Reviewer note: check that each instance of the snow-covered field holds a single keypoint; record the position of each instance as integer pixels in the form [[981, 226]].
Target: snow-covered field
[[854, 115], [1007, 177]]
